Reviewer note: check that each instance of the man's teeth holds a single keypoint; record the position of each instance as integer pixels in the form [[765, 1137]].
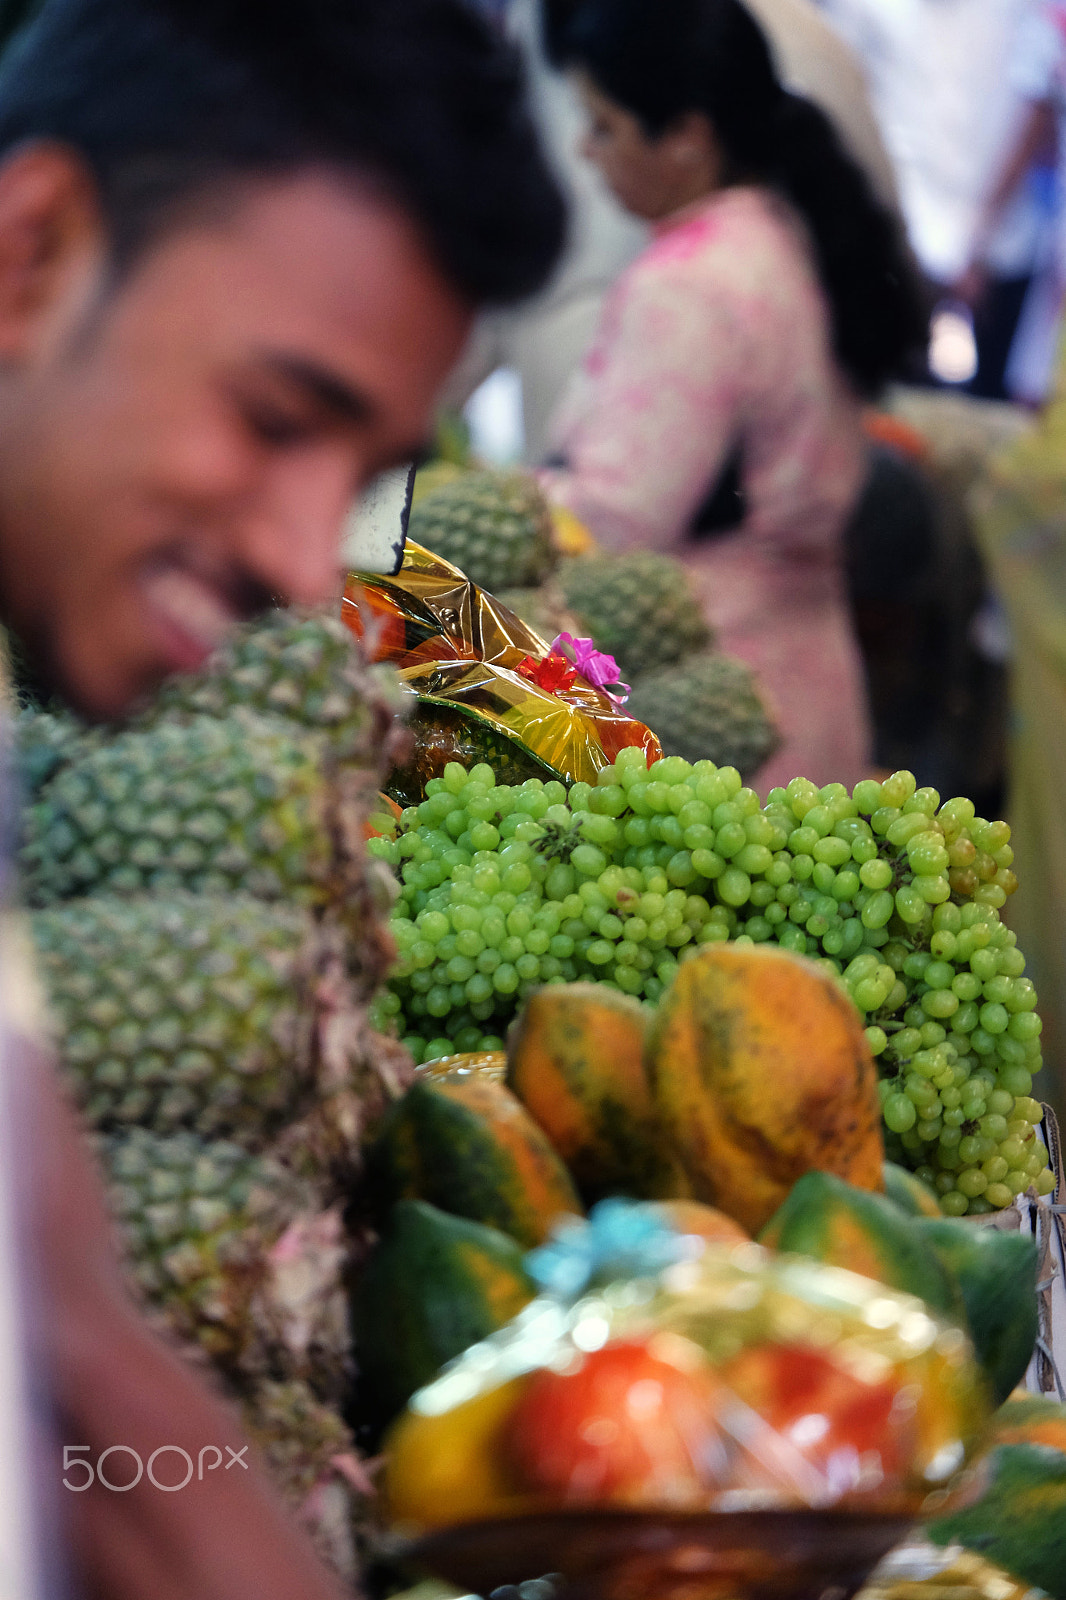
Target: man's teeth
[[192, 606]]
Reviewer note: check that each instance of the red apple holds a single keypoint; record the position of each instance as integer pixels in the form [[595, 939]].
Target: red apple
[[858, 1433], [632, 1423]]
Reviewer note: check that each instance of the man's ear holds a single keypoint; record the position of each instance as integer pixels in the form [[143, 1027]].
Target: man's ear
[[51, 243]]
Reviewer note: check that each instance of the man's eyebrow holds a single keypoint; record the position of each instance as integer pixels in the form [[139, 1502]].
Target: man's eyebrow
[[324, 387]]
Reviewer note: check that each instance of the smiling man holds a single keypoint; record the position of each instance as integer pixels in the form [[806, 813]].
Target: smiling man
[[241, 244]]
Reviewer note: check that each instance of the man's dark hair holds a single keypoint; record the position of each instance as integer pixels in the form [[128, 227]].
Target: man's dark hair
[[421, 99]]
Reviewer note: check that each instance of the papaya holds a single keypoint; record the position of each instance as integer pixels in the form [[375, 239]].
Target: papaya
[[466, 1144], [491, 1064], [1019, 1523], [432, 1286], [575, 1059], [760, 1072], [996, 1272], [847, 1227], [908, 1192], [692, 1216], [1031, 1419]]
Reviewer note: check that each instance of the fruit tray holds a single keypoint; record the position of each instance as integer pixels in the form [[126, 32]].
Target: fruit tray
[[625, 1555]]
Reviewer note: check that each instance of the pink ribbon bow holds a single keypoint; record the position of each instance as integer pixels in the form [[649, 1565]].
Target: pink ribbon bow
[[595, 666]]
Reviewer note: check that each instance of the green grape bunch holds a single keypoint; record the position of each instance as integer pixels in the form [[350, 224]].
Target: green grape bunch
[[507, 887]]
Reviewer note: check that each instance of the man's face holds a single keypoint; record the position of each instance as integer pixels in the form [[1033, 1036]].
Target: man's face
[[176, 454]]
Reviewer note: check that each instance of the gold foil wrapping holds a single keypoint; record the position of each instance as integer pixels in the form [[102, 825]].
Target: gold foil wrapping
[[459, 653]]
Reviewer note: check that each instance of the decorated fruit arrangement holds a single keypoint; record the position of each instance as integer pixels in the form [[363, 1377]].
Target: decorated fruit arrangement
[[507, 888], [737, 1381], [639, 608], [659, 1372], [746, 1107]]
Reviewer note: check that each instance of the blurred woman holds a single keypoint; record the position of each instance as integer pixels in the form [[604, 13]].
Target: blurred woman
[[717, 415]]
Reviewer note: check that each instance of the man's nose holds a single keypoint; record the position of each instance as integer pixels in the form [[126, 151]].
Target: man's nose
[[291, 538]]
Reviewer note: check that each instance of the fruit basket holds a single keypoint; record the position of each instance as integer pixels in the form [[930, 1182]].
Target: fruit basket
[[689, 1419], [484, 686]]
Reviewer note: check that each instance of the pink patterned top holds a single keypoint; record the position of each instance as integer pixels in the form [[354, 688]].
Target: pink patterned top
[[718, 336]]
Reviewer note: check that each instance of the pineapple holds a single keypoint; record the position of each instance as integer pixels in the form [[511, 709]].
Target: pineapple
[[234, 1254], [45, 742], [243, 805], [707, 708], [494, 526], [312, 1457], [193, 1013], [639, 608], [306, 669], [211, 933], [297, 1434]]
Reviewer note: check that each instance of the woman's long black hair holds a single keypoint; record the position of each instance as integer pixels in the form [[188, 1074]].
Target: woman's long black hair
[[662, 58]]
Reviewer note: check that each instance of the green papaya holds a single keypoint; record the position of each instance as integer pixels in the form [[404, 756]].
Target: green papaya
[[433, 1286], [468, 1145], [1031, 1419], [834, 1222], [996, 1272], [1019, 1524], [908, 1192]]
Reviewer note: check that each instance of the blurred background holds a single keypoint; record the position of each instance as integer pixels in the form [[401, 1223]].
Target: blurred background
[[954, 110]]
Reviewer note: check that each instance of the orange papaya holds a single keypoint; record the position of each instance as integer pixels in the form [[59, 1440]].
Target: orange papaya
[[575, 1059], [760, 1071], [848, 1227], [1031, 1419], [467, 1145], [692, 1216]]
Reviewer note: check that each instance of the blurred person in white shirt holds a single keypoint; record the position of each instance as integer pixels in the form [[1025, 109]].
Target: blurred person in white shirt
[[1037, 74], [949, 106]]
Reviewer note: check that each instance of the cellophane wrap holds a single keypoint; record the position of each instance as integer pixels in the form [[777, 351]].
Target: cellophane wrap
[[732, 1379], [458, 652]]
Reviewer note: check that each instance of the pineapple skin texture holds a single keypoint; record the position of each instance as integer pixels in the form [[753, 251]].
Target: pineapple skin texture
[[638, 607], [494, 526], [303, 668], [217, 1238], [210, 807], [187, 1012], [212, 933], [707, 708]]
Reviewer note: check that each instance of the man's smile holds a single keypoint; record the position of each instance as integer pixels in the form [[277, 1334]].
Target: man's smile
[[192, 614]]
